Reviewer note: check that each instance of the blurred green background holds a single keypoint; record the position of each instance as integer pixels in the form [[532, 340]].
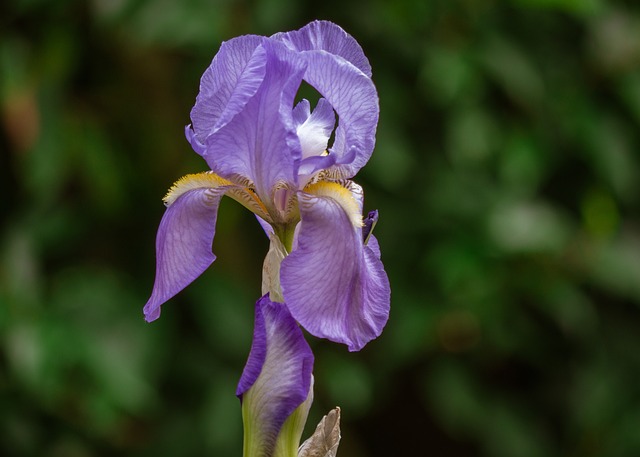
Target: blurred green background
[[506, 174]]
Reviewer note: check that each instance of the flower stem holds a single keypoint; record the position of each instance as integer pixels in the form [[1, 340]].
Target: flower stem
[[286, 234]]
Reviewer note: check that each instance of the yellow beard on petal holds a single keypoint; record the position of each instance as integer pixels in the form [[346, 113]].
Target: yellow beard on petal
[[206, 180], [342, 195], [209, 180]]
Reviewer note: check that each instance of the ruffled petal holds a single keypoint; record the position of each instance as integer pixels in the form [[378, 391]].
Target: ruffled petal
[[327, 36], [277, 376], [340, 71], [260, 143], [183, 244], [334, 285], [234, 76], [355, 99]]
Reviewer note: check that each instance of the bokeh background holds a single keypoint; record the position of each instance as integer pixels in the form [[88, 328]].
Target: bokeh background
[[506, 174]]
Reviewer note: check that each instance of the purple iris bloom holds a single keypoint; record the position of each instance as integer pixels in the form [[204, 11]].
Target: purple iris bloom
[[274, 157], [276, 380]]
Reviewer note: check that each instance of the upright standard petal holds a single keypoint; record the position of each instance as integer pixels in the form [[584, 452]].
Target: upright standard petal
[[183, 244], [276, 379], [333, 283], [326, 36], [314, 128], [231, 80], [339, 70], [355, 99], [260, 143]]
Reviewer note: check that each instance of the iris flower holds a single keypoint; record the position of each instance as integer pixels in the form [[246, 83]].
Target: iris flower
[[292, 166], [276, 385]]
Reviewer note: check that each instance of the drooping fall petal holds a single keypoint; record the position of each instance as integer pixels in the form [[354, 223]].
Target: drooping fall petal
[[183, 244], [333, 283]]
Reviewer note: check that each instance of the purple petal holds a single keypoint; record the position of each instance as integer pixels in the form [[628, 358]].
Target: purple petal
[[193, 140], [183, 245], [339, 70], [277, 376], [311, 165], [233, 77], [327, 36], [301, 112], [354, 97], [333, 284], [268, 229], [260, 143], [315, 130], [373, 245]]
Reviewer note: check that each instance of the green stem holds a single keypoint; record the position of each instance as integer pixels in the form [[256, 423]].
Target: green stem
[[286, 234]]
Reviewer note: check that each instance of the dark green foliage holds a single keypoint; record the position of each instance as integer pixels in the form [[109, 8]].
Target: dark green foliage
[[506, 175]]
